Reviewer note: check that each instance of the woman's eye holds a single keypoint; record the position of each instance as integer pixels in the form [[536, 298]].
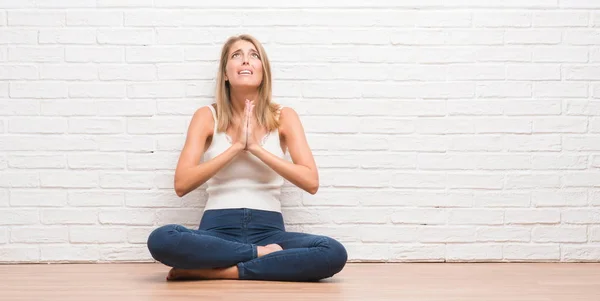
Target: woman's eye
[[235, 55], [255, 55]]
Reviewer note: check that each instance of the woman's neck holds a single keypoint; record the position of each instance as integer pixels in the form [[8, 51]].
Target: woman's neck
[[238, 101]]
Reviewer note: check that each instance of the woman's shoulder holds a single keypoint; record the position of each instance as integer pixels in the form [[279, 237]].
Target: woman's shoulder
[[203, 118]]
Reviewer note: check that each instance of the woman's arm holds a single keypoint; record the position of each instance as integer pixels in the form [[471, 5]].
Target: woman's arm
[[190, 173], [303, 171]]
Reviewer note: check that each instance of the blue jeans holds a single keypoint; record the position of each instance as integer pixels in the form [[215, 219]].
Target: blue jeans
[[228, 237]]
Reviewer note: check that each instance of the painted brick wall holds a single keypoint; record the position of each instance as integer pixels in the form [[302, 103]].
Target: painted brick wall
[[455, 130]]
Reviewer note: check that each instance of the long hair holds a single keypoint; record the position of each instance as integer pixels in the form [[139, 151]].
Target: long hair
[[265, 110]]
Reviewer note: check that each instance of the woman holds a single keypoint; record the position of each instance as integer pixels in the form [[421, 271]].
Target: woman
[[243, 138]]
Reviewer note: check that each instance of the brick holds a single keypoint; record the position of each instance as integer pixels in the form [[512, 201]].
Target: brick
[[348, 125], [581, 143], [95, 235], [40, 143], [96, 198], [156, 161], [503, 54], [560, 19], [558, 54], [155, 54], [178, 216], [69, 179], [532, 107], [581, 37], [96, 161], [68, 72], [473, 252], [18, 72], [578, 4], [531, 252], [532, 143], [152, 199], [126, 107], [534, 181], [555, 161], [580, 253], [420, 252], [156, 125], [91, 54], [564, 234], [384, 234], [419, 216], [127, 72], [69, 253], [419, 180], [557, 198], [40, 125], [156, 90], [18, 36], [125, 143], [67, 36], [96, 126], [138, 235], [65, 3], [38, 90], [479, 72], [69, 216], [14, 179], [19, 253], [4, 197], [584, 73], [97, 90], [121, 4], [534, 72], [357, 178], [38, 198], [532, 216], [502, 19], [127, 180], [504, 234], [502, 199], [125, 36], [532, 37], [503, 89], [21, 107], [39, 235], [446, 234], [125, 253], [475, 217], [71, 107], [474, 143], [581, 179], [580, 216], [19, 216], [94, 18]]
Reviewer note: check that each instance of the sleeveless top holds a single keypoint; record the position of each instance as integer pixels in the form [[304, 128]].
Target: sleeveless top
[[246, 182]]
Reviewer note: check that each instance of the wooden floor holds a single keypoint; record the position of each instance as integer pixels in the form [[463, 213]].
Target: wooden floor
[[358, 281]]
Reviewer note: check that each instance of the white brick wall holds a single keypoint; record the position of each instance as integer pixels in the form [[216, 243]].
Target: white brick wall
[[458, 130]]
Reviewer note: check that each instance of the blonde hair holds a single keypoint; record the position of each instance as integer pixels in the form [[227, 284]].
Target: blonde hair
[[265, 110]]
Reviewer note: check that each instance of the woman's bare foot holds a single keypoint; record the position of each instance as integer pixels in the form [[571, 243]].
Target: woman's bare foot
[[268, 249], [217, 273]]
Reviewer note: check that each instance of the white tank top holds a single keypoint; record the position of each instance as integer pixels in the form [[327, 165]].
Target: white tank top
[[246, 182]]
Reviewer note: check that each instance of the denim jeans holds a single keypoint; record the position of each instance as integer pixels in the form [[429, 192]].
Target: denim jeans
[[228, 237]]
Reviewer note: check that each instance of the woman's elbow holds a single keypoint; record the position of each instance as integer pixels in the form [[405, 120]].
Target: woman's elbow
[[313, 188], [180, 189]]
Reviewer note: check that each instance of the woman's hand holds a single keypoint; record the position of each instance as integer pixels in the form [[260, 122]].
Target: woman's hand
[[252, 140], [241, 137]]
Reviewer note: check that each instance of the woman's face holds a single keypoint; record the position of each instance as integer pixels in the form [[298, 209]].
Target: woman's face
[[244, 67]]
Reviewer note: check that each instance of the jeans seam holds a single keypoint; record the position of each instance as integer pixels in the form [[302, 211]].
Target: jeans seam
[[241, 268]]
